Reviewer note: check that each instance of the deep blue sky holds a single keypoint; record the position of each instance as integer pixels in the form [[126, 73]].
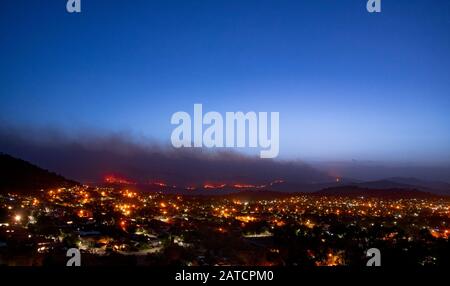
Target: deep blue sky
[[348, 84]]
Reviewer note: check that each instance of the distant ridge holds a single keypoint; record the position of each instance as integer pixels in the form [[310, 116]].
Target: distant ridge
[[341, 191], [258, 195], [439, 188], [20, 176], [392, 193], [388, 184]]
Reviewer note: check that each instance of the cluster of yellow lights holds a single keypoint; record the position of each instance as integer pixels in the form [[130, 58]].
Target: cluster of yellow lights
[[125, 208], [331, 260], [224, 211], [444, 233], [279, 223], [309, 224], [83, 213], [129, 194], [245, 218]]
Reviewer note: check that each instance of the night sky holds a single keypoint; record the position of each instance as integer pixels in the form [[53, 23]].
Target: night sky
[[348, 84]]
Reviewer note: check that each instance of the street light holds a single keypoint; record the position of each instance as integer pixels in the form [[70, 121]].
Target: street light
[[18, 218]]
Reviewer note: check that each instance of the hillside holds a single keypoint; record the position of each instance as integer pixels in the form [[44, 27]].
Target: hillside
[[19, 176]]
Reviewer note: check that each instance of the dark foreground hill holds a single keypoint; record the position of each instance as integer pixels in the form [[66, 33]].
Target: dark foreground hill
[[19, 176]]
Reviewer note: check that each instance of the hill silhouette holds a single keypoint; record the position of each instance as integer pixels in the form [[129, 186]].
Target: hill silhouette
[[392, 193], [19, 176]]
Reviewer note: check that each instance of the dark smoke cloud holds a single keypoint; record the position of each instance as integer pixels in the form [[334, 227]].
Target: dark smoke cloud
[[89, 156]]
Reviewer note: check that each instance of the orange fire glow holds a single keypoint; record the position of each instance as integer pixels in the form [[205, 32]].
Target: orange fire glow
[[214, 186], [113, 179]]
